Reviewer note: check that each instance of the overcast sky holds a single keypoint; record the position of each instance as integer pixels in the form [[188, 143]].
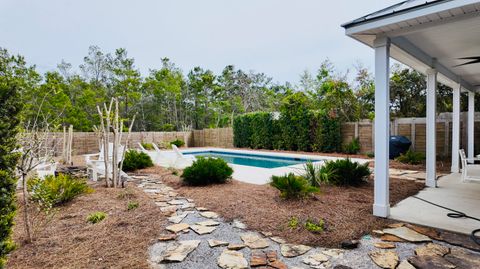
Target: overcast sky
[[278, 37]]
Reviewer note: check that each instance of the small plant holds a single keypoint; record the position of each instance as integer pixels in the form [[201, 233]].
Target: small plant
[[293, 223], [132, 205], [205, 171], [96, 217], [177, 142], [56, 190], [411, 157], [126, 193], [136, 160], [353, 147], [173, 170], [370, 154], [148, 146], [344, 172], [292, 186], [311, 173], [314, 227]]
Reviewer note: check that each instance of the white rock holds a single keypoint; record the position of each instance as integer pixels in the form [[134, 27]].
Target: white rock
[[230, 259], [216, 243], [178, 251], [200, 229], [209, 215], [291, 250]]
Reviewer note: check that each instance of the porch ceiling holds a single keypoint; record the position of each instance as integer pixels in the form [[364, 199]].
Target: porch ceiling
[[436, 34]]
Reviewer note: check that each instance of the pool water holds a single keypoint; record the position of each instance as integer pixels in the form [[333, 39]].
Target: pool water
[[254, 160]]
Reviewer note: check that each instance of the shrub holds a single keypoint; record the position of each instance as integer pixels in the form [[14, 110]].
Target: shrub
[[370, 154], [353, 147], [344, 172], [136, 160], [262, 131], [148, 146], [311, 173], [56, 190], [292, 186], [132, 205], [314, 227], [411, 157], [295, 122], [242, 131], [326, 132], [177, 142], [167, 127], [293, 223], [205, 171], [13, 80], [96, 217]]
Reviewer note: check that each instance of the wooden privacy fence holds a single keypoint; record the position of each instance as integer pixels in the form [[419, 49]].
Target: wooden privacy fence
[[415, 130], [87, 142], [412, 128]]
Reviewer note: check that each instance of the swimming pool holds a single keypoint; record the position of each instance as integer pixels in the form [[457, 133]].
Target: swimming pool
[[255, 160]]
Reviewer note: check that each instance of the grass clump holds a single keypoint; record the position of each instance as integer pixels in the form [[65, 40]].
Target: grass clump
[[293, 223], [136, 160], [344, 172], [205, 171], [56, 190], [292, 186], [96, 217], [353, 147], [314, 226], [148, 146], [132, 205], [177, 142], [411, 157]]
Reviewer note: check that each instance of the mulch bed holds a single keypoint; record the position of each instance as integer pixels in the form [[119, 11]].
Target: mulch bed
[[120, 241], [347, 212]]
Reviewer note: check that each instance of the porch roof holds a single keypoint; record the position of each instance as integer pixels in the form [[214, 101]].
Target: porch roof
[[442, 34]]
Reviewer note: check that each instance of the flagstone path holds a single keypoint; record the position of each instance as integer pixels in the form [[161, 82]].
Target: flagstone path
[[198, 238]]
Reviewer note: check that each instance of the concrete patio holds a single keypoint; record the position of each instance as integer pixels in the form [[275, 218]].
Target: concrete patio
[[451, 193]]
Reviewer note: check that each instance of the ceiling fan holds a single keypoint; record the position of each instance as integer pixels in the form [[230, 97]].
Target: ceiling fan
[[471, 60]]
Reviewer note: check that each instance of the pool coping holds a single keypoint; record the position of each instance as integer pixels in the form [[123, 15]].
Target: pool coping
[[259, 175]]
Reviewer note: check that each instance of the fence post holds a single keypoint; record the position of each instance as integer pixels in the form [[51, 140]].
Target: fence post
[[447, 137], [356, 129], [412, 134]]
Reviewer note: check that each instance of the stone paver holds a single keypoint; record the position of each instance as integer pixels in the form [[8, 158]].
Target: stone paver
[[215, 243]]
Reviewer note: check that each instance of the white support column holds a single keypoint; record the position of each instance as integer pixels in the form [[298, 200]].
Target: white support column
[[381, 206], [456, 129], [471, 124], [431, 128]]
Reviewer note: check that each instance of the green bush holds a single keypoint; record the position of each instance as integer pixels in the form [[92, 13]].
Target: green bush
[[136, 160], [314, 226], [292, 186], [148, 146], [242, 131], [294, 122], [56, 190], [344, 172], [293, 223], [262, 131], [96, 217], [15, 78], [326, 132], [132, 205], [205, 171], [311, 173], [411, 157], [353, 147], [167, 127], [177, 142], [370, 154]]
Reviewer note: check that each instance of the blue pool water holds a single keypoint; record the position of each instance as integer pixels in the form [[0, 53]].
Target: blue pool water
[[251, 159]]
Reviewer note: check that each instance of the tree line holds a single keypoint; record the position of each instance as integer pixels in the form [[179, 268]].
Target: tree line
[[169, 99]]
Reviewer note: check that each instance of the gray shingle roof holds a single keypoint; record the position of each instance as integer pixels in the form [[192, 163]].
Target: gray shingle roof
[[397, 8]]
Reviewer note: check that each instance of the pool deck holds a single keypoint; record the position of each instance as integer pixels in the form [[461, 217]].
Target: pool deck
[[260, 176]]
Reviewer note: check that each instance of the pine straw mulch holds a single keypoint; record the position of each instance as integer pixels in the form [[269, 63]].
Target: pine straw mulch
[[347, 211], [119, 241]]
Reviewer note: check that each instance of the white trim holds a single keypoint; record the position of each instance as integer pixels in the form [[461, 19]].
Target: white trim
[[471, 125], [431, 132], [405, 16], [381, 206], [456, 128]]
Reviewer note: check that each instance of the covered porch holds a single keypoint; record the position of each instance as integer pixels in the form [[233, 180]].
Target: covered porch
[[440, 39]]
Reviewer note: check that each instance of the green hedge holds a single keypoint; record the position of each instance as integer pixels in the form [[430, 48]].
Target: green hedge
[[297, 128]]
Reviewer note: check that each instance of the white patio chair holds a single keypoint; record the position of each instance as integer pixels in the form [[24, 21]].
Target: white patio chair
[[158, 158], [96, 167], [46, 169], [182, 161], [470, 170]]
